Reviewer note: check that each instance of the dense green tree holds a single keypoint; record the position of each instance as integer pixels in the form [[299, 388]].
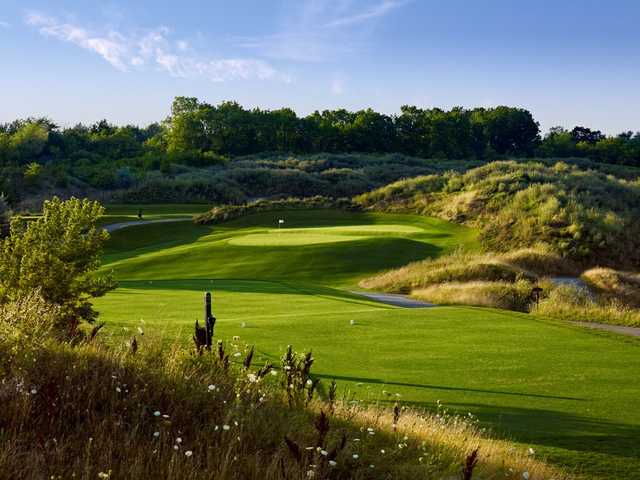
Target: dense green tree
[[57, 255]]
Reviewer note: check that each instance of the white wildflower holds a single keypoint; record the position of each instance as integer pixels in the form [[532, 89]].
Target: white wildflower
[[156, 434], [309, 382], [332, 463], [237, 354], [179, 440], [252, 377], [156, 413], [226, 427], [211, 388], [324, 453], [355, 456], [188, 453]]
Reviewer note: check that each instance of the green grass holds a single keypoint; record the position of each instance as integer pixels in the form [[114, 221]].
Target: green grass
[[570, 393]]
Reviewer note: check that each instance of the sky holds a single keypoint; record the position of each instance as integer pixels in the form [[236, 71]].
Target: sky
[[570, 62]]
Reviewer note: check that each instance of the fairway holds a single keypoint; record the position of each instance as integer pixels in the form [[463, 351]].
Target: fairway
[[569, 393]]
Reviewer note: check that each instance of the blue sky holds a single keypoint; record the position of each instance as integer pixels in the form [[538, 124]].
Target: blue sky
[[568, 61]]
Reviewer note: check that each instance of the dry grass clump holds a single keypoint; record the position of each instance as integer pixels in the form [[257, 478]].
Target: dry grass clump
[[92, 411], [507, 295], [614, 285], [567, 302], [522, 264]]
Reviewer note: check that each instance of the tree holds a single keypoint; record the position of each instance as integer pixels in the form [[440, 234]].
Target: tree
[[58, 255]]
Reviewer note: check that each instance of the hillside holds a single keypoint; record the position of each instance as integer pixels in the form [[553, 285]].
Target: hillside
[[584, 215]]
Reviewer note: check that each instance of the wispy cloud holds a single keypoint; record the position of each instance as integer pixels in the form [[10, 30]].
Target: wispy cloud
[[4, 24], [154, 49], [369, 13], [322, 30]]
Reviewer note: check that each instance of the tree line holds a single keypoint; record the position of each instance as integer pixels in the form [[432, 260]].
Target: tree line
[[199, 134]]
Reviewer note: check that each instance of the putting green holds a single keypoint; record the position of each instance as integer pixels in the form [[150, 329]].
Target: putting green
[[569, 393]]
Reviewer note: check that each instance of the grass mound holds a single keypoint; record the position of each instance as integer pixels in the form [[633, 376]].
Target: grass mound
[[91, 411], [525, 264], [615, 285], [582, 214], [508, 295], [569, 303]]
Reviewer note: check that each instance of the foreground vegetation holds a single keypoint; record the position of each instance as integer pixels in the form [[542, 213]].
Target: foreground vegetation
[[92, 411]]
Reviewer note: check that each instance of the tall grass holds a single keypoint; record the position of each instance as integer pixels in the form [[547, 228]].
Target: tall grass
[[93, 411], [569, 303], [524, 264]]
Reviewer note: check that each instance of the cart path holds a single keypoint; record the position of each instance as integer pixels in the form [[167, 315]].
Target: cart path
[[631, 331], [395, 299], [132, 223]]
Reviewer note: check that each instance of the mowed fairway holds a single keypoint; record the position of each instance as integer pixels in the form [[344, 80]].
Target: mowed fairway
[[571, 394]]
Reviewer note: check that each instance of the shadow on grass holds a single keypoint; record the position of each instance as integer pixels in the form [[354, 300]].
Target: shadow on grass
[[447, 388], [551, 428], [271, 287]]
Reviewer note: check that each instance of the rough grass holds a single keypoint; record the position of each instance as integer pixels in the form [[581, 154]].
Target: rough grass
[[572, 304], [524, 264], [508, 295], [90, 411], [614, 285], [582, 214]]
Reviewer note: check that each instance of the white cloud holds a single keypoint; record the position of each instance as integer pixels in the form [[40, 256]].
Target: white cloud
[[153, 49], [322, 30], [4, 24], [378, 10]]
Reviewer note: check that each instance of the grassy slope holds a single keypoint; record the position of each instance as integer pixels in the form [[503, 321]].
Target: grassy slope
[[540, 382]]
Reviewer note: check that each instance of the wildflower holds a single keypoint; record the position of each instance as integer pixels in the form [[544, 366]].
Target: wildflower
[[382, 451], [237, 354], [324, 453], [252, 378], [118, 389], [235, 422], [287, 367], [178, 440], [309, 382], [226, 427], [211, 388], [156, 413], [156, 434], [165, 416], [355, 456], [175, 447], [332, 463], [33, 391], [371, 431], [525, 475], [531, 451], [311, 474], [372, 466], [273, 372], [188, 453]]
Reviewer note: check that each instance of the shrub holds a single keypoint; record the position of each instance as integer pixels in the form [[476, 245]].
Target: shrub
[[57, 254]]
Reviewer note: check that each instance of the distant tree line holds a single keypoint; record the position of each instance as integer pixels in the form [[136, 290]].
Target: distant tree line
[[103, 156]]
